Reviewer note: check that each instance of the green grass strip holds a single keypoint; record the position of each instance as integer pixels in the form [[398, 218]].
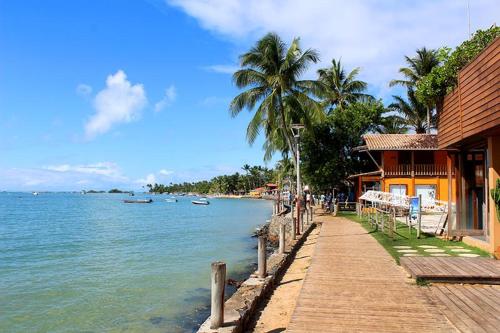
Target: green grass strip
[[402, 237]]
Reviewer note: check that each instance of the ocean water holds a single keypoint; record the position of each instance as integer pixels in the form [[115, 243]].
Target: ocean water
[[91, 263]]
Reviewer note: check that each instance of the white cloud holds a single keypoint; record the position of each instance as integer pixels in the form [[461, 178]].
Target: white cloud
[[224, 69], [83, 90], [119, 102], [167, 100], [374, 35], [62, 177], [108, 169], [149, 179], [165, 172]]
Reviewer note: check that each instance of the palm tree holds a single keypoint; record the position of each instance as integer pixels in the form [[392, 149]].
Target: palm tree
[[392, 124], [271, 73], [412, 112], [337, 88], [418, 67]]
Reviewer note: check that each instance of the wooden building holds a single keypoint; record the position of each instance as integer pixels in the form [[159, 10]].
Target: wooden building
[[406, 164], [469, 129]]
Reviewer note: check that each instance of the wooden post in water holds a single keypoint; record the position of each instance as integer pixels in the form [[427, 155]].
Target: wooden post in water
[[282, 239], [218, 285], [261, 257]]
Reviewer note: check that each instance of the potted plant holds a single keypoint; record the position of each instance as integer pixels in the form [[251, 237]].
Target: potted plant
[[495, 194]]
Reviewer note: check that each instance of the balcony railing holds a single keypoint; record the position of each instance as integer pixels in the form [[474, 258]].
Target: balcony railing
[[419, 170]]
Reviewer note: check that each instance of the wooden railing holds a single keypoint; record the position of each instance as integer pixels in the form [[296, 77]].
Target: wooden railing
[[419, 170]]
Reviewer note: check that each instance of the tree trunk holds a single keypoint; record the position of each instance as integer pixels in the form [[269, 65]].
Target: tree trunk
[[428, 120]]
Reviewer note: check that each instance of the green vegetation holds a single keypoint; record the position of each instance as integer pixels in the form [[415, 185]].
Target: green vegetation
[[255, 176], [327, 150], [337, 89], [271, 71], [335, 108], [403, 238], [415, 113], [444, 78], [495, 195], [115, 190]]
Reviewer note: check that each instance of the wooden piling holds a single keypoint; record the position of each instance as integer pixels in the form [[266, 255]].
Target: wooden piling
[[218, 285], [261, 257], [282, 239]]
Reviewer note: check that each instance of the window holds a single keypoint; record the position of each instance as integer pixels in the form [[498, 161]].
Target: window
[[397, 189], [428, 193]]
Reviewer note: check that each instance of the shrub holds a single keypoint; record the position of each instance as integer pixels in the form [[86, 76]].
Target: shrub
[[444, 78]]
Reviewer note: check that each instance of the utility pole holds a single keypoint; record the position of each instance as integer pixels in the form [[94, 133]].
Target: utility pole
[[296, 135]]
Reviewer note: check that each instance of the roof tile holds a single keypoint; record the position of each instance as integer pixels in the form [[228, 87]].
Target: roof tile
[[401, 141]]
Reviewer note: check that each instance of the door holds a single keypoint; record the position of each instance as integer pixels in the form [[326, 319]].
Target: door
[[471, 214]]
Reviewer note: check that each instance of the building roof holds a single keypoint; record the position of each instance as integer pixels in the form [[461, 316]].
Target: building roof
[[400, 142]]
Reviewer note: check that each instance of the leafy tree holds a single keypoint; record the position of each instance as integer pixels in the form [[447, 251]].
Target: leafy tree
[[418, 67], [271, 72], [392, 124], [412, 112], [443, 79], [327, 157], [337, 88]]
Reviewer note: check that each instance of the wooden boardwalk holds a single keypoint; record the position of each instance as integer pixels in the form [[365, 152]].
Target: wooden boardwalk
[[471, 308], [353, 284], [453, 269]]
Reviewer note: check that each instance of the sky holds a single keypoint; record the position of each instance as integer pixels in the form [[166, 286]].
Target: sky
[[100, 94]]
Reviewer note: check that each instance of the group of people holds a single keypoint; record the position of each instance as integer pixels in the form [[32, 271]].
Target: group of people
[[329, 200]]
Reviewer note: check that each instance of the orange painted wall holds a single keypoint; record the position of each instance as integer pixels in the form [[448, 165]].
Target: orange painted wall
[[441, 184]]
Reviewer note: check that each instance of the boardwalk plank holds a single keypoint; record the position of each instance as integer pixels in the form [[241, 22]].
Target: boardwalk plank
[[353, 285]]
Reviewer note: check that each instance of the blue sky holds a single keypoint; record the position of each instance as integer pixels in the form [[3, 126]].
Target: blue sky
[[95, 94]]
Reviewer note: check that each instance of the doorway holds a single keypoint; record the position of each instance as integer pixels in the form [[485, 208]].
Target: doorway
[[473, 190]]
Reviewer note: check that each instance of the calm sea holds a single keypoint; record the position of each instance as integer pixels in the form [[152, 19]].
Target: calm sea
[[90, 263]]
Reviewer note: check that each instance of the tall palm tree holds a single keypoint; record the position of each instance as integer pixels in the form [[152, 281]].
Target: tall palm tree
[[339, 88], [418, 66], [392, 124], [271, 72], [412, 112]]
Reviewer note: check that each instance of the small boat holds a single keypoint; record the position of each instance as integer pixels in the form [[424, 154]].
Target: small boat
[[202, 201], [171, 199], [35, 193], [139, 201]]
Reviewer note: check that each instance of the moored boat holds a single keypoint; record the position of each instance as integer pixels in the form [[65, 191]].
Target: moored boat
[[139, 201], [201, 201]]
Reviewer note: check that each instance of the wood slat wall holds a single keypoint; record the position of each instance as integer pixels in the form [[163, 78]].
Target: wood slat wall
[[474, 106]]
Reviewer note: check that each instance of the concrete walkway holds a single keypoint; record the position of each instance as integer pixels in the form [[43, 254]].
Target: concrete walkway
[[353, 284]]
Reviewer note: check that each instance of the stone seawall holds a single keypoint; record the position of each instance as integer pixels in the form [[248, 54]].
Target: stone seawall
[[241, 306]]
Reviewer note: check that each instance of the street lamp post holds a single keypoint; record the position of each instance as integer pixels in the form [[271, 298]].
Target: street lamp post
[[296, 134]]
